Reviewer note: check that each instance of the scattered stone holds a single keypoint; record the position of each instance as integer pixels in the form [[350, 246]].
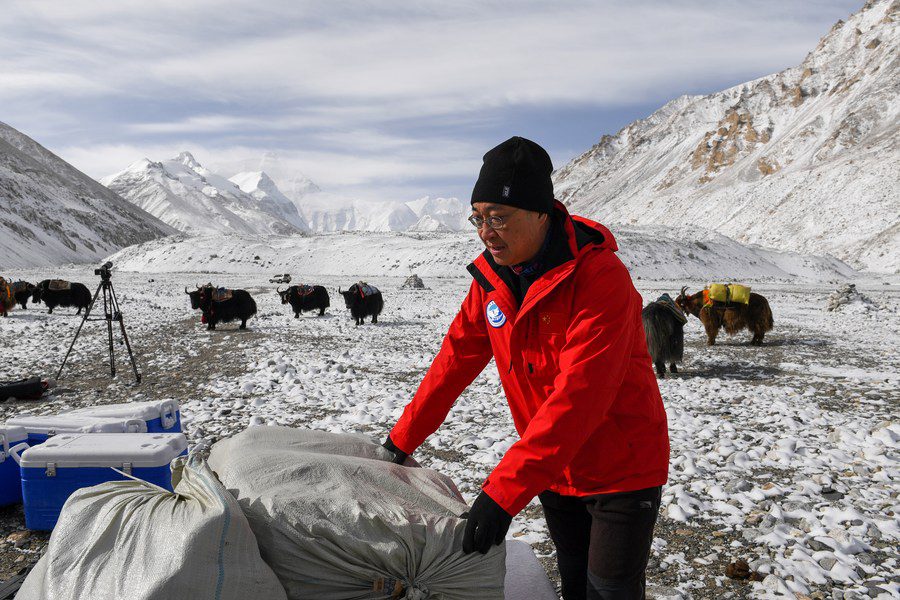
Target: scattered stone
[[817, 545], [827, 562], [830, 493], [741, 571], [754, 518], [738, 485], [413, 282], [847, 296], [774, 583], [19, 538]]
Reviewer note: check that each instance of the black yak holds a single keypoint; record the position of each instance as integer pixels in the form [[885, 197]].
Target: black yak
[[363, 300], [755, 316], [223, 306], [664, 330], [57, 292], [195, 295], [23, 290], [305, 297]]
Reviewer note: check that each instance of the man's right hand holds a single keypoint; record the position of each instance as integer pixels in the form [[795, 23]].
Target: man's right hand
[[399, 455]]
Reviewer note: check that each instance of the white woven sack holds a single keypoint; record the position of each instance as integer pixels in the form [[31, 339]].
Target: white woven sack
[[134, 540]]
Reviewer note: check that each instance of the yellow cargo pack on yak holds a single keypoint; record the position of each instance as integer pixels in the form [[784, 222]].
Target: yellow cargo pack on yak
[[729, 292]]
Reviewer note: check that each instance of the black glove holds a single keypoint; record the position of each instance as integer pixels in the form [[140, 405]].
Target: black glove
[[399, 455], [487, 525]]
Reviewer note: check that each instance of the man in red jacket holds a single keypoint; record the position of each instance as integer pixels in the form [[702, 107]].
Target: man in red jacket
[[554, 306]]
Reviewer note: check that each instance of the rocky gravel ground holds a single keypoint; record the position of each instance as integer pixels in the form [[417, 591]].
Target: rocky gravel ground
[[785, 456]]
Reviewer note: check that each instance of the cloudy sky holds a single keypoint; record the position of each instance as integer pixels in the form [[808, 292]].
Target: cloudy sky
[[382, 100]]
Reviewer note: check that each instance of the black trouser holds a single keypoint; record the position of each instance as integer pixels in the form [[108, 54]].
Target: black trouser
[[602, 542]]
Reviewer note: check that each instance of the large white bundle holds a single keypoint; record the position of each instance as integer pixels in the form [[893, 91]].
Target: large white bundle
[[130, 539], [336, 520]]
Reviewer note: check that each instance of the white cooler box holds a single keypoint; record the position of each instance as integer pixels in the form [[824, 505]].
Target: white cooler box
[[161, 416], [67, 462], [39, 428], [12, 444], [525, 577]]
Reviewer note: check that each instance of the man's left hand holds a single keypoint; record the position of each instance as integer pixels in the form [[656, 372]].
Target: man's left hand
[[486, 525]]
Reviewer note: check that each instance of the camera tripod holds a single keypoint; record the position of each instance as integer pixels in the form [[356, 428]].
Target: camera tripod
[[111, 313]]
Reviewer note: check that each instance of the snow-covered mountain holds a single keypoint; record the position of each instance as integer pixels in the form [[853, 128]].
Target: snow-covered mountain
[[51, 213], [329, 213], [273, 183], [195, 200], [440, 214], [259, 185], [807, 159], [290, 182]]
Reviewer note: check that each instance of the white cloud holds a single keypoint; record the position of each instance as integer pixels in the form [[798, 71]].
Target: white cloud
[[340, 85]]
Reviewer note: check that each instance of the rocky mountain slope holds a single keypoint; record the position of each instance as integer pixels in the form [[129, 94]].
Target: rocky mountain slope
[[52, 213], [806, 159]]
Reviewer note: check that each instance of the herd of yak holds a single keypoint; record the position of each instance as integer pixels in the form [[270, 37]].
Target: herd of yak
[[221, 305], [663, 319], [52, 292]]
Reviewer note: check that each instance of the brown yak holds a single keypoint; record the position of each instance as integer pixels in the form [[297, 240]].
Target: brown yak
[[7, 298], [755, 316]]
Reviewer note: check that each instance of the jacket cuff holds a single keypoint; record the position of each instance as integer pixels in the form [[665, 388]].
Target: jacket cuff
[[506, 503], [400, 442]]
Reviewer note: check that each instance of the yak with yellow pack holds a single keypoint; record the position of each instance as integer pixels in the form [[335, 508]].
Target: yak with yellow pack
[[728, 305]]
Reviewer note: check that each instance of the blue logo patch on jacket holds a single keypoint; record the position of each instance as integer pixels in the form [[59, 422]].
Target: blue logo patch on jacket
[[495, 316]]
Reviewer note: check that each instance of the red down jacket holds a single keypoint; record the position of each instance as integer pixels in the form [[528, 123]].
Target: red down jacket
[[574, 365]]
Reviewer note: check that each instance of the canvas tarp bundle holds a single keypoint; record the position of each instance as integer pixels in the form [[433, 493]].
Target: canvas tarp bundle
[[336, 520], [130, 539]]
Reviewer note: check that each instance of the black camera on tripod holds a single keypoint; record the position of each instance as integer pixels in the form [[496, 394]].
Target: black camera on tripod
[[104, 271], [110, 314]]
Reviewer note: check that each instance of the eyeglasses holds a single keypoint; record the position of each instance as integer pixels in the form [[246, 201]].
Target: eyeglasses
[[494, 222]]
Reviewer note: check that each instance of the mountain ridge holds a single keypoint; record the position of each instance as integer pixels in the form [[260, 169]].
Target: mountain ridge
[[802, 160]]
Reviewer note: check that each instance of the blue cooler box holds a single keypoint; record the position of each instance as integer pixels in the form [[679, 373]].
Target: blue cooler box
[[12, 444], [161, 416], [52, 471], [40, 428]]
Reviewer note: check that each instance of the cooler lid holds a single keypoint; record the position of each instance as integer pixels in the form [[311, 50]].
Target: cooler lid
[[146, 411], [69, 423], [12, 435], [77, 450]]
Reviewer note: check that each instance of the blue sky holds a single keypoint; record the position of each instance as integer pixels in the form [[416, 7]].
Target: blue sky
[[381, 100]]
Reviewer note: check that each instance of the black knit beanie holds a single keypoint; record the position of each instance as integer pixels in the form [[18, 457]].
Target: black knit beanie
[[516, 173]]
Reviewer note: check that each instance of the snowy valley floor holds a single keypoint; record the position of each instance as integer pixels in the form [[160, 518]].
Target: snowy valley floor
[[785, 456]]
